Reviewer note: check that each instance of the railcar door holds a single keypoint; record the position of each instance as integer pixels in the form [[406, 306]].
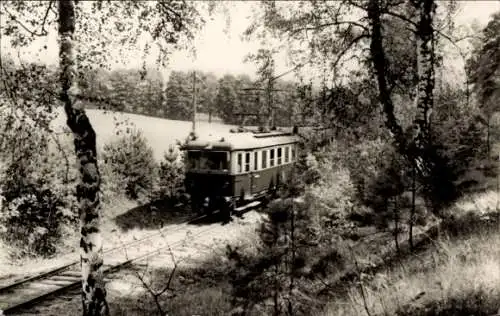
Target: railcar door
[[242, 183], [260, 181], [254, 175]]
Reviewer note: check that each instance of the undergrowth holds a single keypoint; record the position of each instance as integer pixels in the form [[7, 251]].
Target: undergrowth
[[456, 275]]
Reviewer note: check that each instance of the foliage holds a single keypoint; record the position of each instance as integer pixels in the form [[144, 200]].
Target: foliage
[[113, 184], [170, 25], [458, 137], [170, 175], [334, 197], [38, 197], [267, 283], [179, 94], [297, 243], [150, 94], [131, 158], [484, 67]]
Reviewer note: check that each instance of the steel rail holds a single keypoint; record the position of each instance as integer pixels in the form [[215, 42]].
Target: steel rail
[[65, 266], [74, 280], [107, 269]]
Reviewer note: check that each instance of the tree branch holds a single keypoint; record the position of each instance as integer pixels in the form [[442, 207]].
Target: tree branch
[[318, 27], [45, 17], [43, 32], [347, 48], [401, 17]]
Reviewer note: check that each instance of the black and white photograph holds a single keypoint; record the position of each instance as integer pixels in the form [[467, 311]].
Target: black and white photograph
[[250, 158]]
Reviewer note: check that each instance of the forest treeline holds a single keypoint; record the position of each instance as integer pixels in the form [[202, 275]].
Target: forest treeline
[[234, 98]]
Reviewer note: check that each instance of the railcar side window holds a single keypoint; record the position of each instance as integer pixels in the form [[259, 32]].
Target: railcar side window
[[287, 153], [240, 162], [293, 152], [264, 159], [256, 160], [271, 158], [279, 156], [247, 162]]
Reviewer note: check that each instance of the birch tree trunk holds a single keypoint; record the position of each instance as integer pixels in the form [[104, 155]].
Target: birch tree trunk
[[91, 254]]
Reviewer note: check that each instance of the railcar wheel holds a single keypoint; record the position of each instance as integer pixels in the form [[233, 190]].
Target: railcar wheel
[[209, 205], [195, 205], [227, 208]]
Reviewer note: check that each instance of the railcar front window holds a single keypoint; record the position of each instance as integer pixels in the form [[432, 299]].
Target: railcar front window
[[271, 158], [211, 160], [279, 156]]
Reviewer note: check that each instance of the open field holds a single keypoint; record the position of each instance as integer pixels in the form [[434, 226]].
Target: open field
[[160, 133]]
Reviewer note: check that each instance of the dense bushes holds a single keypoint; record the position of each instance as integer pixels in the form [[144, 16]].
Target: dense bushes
[[128, 168], [131, 160], [170, 175], [38, 197]]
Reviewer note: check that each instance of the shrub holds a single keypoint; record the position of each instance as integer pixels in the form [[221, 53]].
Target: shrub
[[458, 145], [131, 158], [37, 196], [333, 198], [170, 175], [112, 183]]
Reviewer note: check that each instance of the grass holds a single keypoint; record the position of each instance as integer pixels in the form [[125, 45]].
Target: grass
[[458, 275]]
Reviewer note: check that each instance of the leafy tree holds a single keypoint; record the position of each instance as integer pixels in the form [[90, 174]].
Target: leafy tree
[[93, 294], [484, 70], [227, 98], [206, 93], [270, 282], [179, 95]]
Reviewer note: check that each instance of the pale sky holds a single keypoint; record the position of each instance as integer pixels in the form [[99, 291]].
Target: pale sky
[[223, 52]]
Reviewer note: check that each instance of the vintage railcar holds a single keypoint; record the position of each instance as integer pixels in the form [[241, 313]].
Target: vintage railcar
[[228, 171]]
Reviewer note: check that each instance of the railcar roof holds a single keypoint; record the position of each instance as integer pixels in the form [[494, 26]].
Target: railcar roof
[[239, 140]]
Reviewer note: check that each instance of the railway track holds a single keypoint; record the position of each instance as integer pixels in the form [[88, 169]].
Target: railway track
[[29, 291]]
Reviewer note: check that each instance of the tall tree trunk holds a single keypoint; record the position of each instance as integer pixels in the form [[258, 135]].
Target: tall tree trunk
[[91, 254], [425, 68], [413, 207], [396, 223], [488, 137], [426, 79], [379, 62]]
